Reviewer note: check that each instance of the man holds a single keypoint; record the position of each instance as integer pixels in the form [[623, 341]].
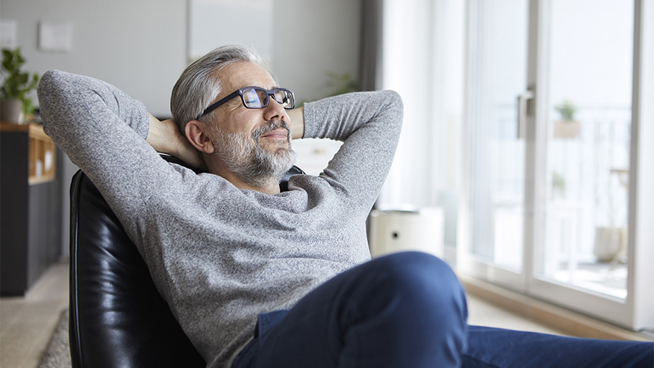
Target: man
[[262, 278]]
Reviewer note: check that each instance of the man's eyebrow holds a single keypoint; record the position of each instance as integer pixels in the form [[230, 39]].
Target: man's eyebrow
[[258, 86]]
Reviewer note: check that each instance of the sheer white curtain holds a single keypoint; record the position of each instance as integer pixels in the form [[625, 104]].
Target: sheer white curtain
[[423, 61]]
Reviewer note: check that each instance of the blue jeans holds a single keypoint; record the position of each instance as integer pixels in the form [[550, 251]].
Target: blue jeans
[[409, 310]]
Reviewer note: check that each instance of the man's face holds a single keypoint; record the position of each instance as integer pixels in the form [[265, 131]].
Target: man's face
[[252, 143]]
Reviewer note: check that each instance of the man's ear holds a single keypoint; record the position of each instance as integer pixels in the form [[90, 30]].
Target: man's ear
[[197, 134]]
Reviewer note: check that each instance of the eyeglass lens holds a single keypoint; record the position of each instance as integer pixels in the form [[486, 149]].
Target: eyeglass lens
[[256, 98]]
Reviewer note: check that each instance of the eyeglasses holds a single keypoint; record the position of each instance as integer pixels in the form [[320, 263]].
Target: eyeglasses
[[256, 98]]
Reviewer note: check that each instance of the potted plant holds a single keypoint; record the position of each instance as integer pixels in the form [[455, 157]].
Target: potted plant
[[558, 186], [337, 84], [566, 126], [16, 85], [610, 243], [341, 83]]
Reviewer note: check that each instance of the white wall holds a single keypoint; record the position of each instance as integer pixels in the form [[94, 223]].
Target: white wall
[[140, 46], [303, 39], [312, 37], [123, 42]]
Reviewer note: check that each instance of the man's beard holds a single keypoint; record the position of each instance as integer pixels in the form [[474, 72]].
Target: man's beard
[[244, 156]]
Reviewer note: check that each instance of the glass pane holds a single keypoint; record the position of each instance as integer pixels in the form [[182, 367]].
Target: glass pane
[[499, 60], [588, 145]]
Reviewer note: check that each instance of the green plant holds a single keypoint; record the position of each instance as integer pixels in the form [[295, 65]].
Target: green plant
[[341, 83], [558, 184], [16, 84], [567, 110], [337, 84]]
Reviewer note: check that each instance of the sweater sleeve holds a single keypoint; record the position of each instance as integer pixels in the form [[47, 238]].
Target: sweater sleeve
[[103, 131], [369, 124]]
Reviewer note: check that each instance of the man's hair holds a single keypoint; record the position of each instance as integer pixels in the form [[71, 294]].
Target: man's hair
[[198, 86]]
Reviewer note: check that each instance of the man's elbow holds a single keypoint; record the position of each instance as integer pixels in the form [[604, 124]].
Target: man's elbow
[[394, 104], [50, 87]]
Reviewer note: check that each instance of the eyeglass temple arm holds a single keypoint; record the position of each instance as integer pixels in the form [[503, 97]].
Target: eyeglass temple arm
[[218, 104]]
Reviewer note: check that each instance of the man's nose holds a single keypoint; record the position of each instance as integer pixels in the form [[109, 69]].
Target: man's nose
[[274, 110]]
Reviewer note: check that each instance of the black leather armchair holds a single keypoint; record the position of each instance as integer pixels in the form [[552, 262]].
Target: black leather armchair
[[117, 317]]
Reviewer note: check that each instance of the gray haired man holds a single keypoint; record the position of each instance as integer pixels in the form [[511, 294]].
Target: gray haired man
[[258, 277]]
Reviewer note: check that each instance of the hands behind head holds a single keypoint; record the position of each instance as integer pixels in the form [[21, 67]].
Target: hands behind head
[[164, 137]]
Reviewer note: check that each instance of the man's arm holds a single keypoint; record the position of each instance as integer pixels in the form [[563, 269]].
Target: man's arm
[[103, 131], [369, 124]]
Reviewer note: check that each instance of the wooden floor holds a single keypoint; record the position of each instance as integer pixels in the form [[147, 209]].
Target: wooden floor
[[26, 324]]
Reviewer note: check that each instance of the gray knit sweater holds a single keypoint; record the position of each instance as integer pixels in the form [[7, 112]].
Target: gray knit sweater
[[220, 255]]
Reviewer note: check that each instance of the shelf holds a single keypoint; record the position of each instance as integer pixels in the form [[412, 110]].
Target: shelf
[[42, 155], [30, 215]]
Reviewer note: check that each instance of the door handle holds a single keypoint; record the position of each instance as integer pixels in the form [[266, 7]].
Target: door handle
[[522, 112]]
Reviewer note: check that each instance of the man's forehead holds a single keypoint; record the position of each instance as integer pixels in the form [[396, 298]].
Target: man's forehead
[[244, 74]]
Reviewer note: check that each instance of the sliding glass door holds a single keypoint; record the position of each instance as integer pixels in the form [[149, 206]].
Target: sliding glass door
[[494, 144], [548, 151], [584, 183]]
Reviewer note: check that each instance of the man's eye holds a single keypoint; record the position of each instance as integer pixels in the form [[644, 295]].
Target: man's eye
[[253, 102]]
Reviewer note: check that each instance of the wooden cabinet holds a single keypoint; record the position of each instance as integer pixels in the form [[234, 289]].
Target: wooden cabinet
[[30, 206]]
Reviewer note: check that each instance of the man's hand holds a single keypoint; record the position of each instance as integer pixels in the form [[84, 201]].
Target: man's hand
[[164, 137], [297, 122]]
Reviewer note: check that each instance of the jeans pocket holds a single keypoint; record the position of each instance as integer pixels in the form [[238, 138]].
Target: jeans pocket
[[244, 354], [267, 320]]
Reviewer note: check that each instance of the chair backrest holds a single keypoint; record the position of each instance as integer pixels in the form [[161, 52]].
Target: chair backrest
[[117, 317]]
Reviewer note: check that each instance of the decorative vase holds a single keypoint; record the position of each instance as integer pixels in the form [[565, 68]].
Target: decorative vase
[[566, 129], [610, 244], [11, 111]]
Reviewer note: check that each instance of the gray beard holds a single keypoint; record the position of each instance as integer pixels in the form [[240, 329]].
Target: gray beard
[[251, 163]]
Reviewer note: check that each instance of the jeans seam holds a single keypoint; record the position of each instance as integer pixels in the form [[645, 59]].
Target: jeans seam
[[480, 361], [353, 306]]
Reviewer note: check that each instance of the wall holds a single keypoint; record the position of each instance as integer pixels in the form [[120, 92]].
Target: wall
[[313, 37], [123, 42], [140, 46]]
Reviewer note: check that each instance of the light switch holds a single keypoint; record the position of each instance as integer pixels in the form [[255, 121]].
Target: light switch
[[7, 34], [55, 36]]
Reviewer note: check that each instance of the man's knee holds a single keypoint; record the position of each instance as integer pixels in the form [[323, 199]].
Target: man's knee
[[418, 267], [421, 300], [420, 276]]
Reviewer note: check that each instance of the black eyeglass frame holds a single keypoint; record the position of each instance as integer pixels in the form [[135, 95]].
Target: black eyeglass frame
[[240, 91]]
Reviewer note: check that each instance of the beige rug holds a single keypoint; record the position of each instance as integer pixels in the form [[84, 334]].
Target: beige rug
[[57, 354]]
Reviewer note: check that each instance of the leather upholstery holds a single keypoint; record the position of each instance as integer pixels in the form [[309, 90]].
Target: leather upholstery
[[117, 317]]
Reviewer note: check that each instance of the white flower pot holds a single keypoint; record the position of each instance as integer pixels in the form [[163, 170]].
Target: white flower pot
[[566, 129], [11, 112], [610, 244]]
